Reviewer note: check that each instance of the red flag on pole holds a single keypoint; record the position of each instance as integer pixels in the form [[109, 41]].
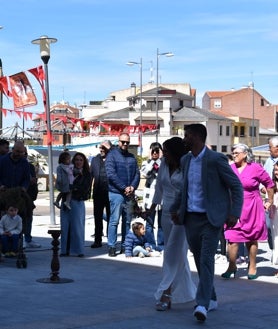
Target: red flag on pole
[[38, 72], [4, 86], [22, 91]]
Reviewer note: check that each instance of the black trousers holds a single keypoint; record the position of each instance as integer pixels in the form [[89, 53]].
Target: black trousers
[[101, 202]]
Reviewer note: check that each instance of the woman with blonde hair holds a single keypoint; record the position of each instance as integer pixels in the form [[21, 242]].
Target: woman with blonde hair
[[251, 226]]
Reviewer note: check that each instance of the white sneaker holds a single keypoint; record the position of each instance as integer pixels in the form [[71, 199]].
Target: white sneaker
[[155, 253], [213, 305], [141, 255], [200, 313], [220, 259], [32, 244]]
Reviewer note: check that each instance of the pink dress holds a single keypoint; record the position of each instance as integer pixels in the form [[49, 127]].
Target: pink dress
[[251, 226]]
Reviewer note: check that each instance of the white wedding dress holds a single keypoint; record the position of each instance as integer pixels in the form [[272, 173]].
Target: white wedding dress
[[176, 271]]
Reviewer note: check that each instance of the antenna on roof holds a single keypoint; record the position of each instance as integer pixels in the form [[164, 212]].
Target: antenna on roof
[[251, 83], [151, 70]]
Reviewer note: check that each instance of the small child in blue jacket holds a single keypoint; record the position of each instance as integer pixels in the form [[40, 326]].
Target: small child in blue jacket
[[136, 243]]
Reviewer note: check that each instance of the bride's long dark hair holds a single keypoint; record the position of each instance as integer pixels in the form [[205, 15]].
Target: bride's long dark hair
[[173, 150]]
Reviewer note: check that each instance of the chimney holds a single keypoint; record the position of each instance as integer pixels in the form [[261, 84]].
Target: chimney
[[133, 89]]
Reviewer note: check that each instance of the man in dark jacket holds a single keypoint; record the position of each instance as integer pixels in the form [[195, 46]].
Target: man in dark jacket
[[123, 179], [15, 172], [33, 193], [14, 168], [100, 191]]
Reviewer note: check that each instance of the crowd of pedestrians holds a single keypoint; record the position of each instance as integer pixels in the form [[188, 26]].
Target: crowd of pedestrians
[[194, 197]]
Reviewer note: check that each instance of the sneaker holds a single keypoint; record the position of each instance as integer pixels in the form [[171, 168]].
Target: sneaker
[[155, 253], [12, 254], [200, 313], [112, 252], [220, 259], [241, 260], [32, 244], [213, 305], [141, 255]]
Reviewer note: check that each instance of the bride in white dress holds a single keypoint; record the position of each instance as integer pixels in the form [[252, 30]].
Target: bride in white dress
[[176, 285]]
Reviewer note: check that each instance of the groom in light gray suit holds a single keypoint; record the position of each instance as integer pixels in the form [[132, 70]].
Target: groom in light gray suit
[[212, 195]]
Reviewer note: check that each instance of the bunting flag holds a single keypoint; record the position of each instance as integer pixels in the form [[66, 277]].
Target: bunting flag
[[22, 91], [4, 86], [25, 114], [38, 73], [19, 88]]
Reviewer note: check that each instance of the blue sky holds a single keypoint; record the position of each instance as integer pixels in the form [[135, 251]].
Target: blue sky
[[217, 45]]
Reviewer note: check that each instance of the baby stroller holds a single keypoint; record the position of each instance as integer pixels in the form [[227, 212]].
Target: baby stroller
[[25, 206]]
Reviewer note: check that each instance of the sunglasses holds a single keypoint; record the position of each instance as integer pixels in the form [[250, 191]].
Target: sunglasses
[[125, 142]]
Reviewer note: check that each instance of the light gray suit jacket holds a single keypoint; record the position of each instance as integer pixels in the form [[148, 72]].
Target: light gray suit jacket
[[223, 190]]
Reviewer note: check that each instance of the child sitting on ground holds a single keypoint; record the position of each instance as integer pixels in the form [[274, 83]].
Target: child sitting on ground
[[10, 229], [136, 243]]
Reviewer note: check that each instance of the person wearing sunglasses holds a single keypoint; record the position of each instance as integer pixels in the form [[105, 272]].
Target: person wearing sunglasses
[[123, 179]]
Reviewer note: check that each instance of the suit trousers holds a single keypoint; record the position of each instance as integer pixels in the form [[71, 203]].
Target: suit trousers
[[101, 202], [203, 239]]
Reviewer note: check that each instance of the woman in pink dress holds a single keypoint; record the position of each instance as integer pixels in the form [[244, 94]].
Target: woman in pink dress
[[251, 227]]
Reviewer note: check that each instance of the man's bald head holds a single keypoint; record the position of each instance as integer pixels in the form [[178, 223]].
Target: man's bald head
[[18, 150]]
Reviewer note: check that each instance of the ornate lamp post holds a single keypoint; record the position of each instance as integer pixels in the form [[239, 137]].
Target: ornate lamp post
[[158, 54], [44, 42], [140, 128]]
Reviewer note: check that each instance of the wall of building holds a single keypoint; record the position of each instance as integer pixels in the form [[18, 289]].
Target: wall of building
[[240, 103]]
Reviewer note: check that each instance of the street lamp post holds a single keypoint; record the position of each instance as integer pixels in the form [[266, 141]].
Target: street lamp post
[[140, 127], [251, 85], [44, 42], [158, 54]]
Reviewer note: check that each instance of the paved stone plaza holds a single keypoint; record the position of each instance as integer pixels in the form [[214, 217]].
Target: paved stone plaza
[[117, 292]]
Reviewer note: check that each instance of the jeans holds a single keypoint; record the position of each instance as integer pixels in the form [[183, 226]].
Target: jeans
[[73, 228], [120, 205], [136, 250], [159, 245], [10, 243]]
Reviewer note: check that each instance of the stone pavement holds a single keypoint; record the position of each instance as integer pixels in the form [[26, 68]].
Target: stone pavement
[[116, 292]]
